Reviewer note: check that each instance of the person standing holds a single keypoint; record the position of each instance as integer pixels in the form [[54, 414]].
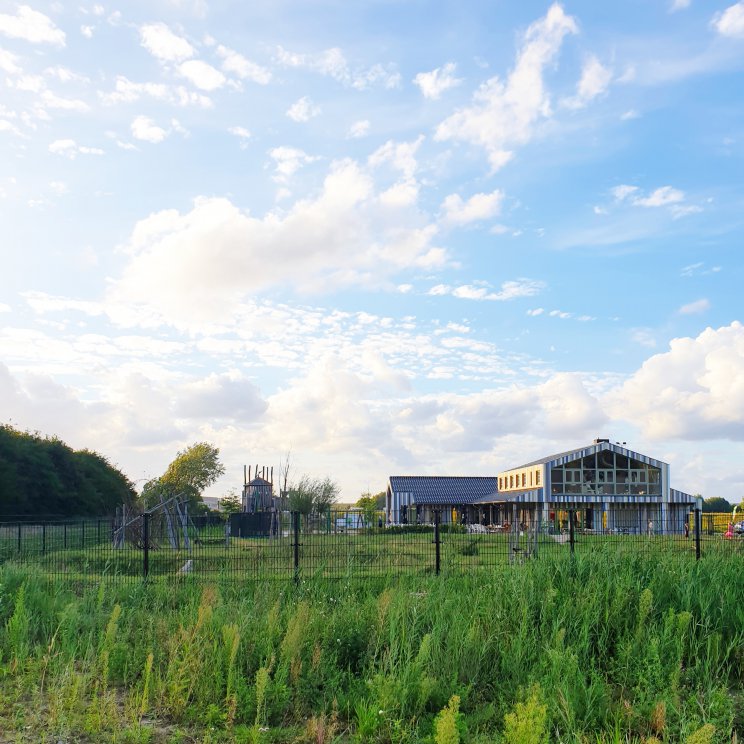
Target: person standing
[[650, 527]]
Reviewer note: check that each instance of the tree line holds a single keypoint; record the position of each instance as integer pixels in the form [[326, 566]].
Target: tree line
[[42, 476]]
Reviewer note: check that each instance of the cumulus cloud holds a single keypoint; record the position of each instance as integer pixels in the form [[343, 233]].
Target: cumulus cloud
[[595, 79], [163, 44], [237, 64], [359, 129], [693, 391], [202, 75], [31, 25], [731, 21], [225, 396], [510, 290], [288, 160], [197, 264], [144, 128], [676, 5], [504, 115], [303, 110], [478, 207], [434, 83]]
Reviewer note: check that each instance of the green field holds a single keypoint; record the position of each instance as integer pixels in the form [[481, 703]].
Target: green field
[[613, 646], [79, 552]]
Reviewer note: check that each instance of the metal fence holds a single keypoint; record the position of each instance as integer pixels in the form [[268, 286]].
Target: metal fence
[[334, 544]]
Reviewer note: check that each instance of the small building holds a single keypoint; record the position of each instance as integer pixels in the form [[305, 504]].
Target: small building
[[412, 499], [606, 485]]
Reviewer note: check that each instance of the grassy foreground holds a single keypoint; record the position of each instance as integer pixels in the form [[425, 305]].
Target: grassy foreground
[[604, 648]]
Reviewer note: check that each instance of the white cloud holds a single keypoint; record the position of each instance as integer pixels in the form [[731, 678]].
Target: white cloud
[[358, 129], [661, 197], [288, 160], [504, 115], [303, 110], [198, 264], [127, 91], [238, 65], [332, 63], [87, 31], [623, 191], [8, 62], [683, 210], [162, 43], [595, 79], [202, 74], [694, 308], [51, 100], [65, 75], [400, 155], [4, 308], [70, 149], [477, 207], [510, 290], [434, 83], [693, 391], [731, 21], [535, 312], [143, 128], [676, 5], [242, 134], [32, 26]]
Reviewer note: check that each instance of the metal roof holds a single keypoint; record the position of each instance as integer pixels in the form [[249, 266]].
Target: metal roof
[[444, 489], [579, 452]]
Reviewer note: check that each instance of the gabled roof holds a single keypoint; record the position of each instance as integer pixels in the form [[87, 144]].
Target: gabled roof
[[259, 482], [563, 457], [444, 489]]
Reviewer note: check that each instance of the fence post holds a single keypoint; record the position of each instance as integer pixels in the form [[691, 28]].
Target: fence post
[[19, 538], [571, 534], [82, 534], [64, 535], [43, 538], [437, 543], [145, 544], [296, 544], [698, 530]]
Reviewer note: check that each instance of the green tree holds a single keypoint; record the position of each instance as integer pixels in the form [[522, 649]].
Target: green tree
[[42, 476], [717, 504], [193, 470], [231, 503], [368, 504], [313, 494]]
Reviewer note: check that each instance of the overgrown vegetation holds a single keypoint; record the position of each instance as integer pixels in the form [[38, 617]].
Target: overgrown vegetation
[[599, 649], [43, 476]]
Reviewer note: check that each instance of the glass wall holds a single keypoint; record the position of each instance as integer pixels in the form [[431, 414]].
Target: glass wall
[[606, 473]]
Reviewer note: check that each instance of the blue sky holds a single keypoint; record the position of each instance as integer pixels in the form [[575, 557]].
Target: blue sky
[[389, 237]]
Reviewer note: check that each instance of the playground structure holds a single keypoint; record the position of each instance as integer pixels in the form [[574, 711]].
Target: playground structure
[[261, 514], [169, 519]]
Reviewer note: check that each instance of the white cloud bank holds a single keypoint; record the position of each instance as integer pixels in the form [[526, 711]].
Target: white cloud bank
[[196, 265], [478, 207], [693, 391]]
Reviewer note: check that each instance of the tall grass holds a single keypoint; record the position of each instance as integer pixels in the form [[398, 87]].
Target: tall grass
[[605, 648]]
